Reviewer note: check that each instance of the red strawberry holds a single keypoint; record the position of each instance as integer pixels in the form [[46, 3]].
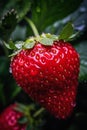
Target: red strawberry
[[49, 74], [9, 119]]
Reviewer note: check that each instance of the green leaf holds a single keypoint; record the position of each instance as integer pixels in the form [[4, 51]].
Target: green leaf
[[12, 45], [7, 45], [23, 120], [8, 23], [51, 36], [46, 41], [66, 32], [29, 43], [46, 12], [21, 6], [82, 50], [74, 36]]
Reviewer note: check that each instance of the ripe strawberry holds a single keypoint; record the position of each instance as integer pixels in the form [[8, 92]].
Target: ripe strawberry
[[9, 119], [49, 74]]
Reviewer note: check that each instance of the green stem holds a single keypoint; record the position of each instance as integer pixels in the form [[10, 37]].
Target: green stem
[[37, 113], [32, 25]]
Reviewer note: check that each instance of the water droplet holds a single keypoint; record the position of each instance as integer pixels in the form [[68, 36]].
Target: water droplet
[[73, 104], [10, 70]]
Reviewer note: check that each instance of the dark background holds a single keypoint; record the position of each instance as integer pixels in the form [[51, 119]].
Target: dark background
[[48, 16]]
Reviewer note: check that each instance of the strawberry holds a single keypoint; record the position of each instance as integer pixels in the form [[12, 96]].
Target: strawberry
[[9, 119], [49, 74], [47, 68]]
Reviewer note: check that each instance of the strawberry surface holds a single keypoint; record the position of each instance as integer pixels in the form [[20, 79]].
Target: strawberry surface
[[9, 119], [49, 74]]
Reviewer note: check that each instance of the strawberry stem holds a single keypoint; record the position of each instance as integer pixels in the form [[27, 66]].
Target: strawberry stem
[[32, 25]]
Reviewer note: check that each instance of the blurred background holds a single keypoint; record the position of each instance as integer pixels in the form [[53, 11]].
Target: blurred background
[[49, 16]]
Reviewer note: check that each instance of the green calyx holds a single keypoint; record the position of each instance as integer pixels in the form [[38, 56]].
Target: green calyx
[[45, 39], [29, 115]]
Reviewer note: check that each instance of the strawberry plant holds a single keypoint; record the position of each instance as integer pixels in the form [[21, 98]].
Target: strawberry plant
[[45, 70], [43, 65]]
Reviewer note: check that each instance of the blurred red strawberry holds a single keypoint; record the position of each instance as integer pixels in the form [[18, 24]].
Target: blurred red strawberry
[[9, 119]]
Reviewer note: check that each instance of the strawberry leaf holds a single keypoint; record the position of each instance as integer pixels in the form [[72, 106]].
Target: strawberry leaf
[[7, 24], [46, 41], [7, 45], [74, 36], [51, 36], [19, 44], [12, 45], [58, 9], [66, 32], [29, 43]]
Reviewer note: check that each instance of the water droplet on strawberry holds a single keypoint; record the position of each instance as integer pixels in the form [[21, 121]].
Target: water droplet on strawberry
[[73, 104], [50, 75], [10, 70]]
